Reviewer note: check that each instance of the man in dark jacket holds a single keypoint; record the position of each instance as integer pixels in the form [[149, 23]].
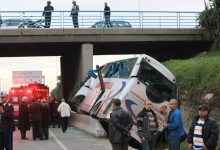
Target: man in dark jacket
[[6, 124], [56, 114], [147, 126], [36, 112], [24, 119], [45, 121], [203, 133], [107, 13], [120, 124], [47, 14]]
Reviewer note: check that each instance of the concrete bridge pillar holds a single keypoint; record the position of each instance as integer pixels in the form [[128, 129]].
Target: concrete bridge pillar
[[74, 66], [86, 59]]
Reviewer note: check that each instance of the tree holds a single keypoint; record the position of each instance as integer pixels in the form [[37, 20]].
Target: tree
[[57, 92], [209, 19]]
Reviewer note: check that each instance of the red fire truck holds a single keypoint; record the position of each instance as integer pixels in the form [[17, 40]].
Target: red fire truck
[[34, 90]]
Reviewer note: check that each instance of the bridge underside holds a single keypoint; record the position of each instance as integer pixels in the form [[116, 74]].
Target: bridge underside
[[76, 47], [160, 50]]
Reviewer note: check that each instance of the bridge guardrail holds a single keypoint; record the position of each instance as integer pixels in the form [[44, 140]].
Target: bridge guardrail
[[138, 19]]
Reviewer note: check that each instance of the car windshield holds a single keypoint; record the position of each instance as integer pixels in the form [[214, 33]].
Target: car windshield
[[123, 24], [119, 69]]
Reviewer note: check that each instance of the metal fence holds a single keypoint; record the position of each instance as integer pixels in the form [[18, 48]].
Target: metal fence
[[138, 19]]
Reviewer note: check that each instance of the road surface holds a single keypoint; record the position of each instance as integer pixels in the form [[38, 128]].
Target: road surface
[[72, 139]]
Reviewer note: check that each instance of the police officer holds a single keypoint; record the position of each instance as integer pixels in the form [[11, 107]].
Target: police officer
[[47, 13], [6, 124], [35, 113]]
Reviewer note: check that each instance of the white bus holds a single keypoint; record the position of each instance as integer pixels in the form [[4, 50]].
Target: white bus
[[133, 81]]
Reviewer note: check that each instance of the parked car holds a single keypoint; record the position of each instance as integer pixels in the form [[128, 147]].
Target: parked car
[[19, 23], [10, 23], [114, 24]]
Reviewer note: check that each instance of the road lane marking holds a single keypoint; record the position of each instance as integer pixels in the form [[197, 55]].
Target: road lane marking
[[62, 146]]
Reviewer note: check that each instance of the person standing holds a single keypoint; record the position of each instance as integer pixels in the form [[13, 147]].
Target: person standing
[[174, 126], [56, 114], [107, 13], [120, 124], [51, 104], [24, 119], [64, 110], [1, 21], [147, 126], [163, 110], [6, 124], [74, 14], [36, 113], [203, 133], [45, 121], [47, 14]]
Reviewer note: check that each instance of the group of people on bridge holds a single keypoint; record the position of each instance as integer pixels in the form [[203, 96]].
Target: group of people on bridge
[[74, 14]]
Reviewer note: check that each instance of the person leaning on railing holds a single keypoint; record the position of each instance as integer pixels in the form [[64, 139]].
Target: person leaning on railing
[[47, 13]]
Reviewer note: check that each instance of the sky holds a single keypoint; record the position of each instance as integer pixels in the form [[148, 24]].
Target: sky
[[50, 66], [116, 5]]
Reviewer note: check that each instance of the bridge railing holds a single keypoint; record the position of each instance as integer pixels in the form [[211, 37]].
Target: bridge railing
[[138, 19]]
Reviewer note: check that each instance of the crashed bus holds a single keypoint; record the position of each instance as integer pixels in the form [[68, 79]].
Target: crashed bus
[[133, 81]]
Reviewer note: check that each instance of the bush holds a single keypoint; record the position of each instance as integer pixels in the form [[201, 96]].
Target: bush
[[197, 74]]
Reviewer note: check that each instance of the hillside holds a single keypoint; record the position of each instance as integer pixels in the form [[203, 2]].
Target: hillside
[[201, 73], [198, 80]]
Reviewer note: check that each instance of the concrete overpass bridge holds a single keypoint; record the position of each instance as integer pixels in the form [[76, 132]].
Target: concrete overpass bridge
[[77, 46]]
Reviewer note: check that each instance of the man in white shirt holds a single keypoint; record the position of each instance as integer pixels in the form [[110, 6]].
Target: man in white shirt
[[64, 110]]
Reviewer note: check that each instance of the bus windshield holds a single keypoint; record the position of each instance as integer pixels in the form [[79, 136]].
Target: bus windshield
[[159, 88], [119, 69]]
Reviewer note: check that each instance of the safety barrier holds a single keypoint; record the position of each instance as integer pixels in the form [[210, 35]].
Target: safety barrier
[[87, 19], [87, 124]]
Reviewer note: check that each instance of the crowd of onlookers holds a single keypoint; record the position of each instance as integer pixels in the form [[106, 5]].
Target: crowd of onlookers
[[202, 135], [40, 114]]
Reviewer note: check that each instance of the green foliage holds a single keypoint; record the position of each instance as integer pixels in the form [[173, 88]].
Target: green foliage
[[209, 19], [57, 92], [197, 74]]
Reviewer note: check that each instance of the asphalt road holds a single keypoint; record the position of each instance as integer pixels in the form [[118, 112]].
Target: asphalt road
[[73, 139]]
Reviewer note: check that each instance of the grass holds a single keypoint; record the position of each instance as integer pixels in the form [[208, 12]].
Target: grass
[[197, 74]]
